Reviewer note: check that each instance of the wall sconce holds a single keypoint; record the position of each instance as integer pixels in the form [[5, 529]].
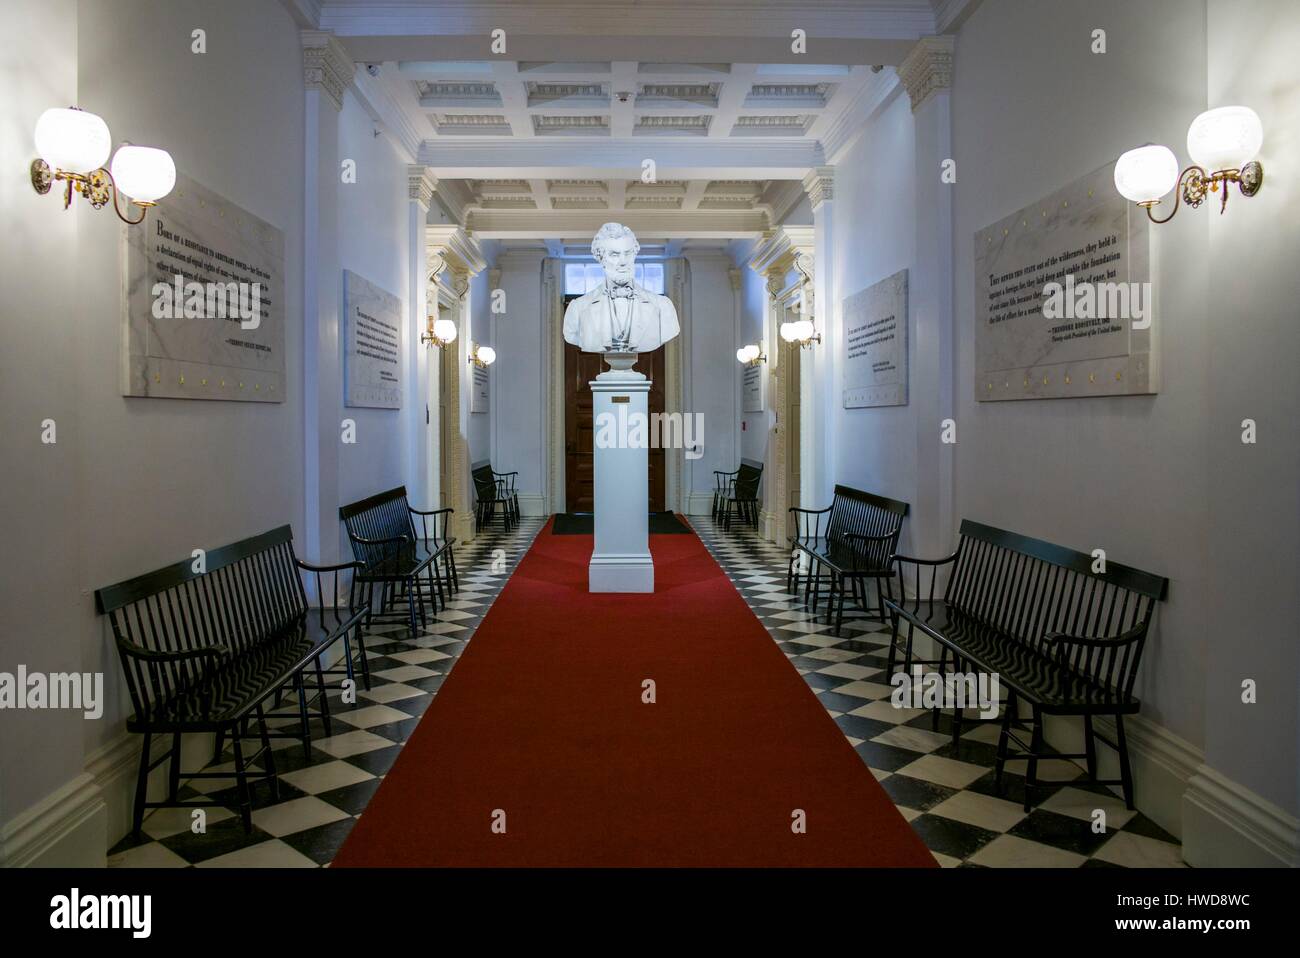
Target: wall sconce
[[440, 333], [1222, 144], [73, 146], [751, 355], [482, 356], [802, 332]]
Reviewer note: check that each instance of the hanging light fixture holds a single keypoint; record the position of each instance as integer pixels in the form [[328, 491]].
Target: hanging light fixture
[[1222, 143], [73, 147]]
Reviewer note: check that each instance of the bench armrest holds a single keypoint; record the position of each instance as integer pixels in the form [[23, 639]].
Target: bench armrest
[[503, 475], [431, 512], [811, 512], [1060, 640], [180, 655], [900, 558], [379, 542], [310, 567]]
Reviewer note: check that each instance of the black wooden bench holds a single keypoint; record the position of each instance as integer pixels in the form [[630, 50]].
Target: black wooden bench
[[1062, 638], [492, 489], [852, 540], [398, 558], [203, 651], [737, 490]]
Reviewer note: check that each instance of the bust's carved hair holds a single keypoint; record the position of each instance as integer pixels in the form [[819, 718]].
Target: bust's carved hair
[[611, 231]]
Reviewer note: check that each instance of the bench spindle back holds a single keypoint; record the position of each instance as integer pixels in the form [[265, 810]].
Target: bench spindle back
[[864, 514], [249, 591], [384, 515], [1028, 588]]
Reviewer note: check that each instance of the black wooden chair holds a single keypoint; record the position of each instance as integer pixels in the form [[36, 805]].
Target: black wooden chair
[[1061, 638], [738, 492], [400, 560], [493, 489], [204, 651], [847, 544]]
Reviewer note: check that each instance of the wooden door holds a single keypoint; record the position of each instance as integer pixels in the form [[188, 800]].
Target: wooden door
[[579, 429]]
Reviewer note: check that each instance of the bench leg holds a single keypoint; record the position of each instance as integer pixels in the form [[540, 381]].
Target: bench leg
[[451, 565], [1125, 770], [324, 698], [839, 609], [893, 650], [956, 712], [1089, 747], [141, 786], [410, 604], [219, 746], [174, 768], [300, 688], [241, 780], [791, 579], [270, 756], [365, 663], [1008, 716], [1036, 746]]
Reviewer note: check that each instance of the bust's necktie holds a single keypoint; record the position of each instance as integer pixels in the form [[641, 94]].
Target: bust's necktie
[[623, 291]]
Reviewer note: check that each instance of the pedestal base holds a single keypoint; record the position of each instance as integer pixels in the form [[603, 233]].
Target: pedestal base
[[621, 559], [612, 573]]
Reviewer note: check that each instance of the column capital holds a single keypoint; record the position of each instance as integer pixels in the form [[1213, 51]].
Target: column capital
[[326, 65], [927, 69], [819, 184], [734, 275], [422, 184]]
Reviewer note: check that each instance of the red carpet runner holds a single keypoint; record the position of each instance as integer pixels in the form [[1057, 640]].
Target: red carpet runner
[[543, 718]]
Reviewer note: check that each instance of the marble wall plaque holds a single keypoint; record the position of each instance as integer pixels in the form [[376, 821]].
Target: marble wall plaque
[[480, 378], [1083, 236], [752, 388], [875, 344], [182, 347], [372, 344]]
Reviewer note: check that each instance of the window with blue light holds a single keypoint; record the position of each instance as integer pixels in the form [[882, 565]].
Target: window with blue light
[[582, 278]]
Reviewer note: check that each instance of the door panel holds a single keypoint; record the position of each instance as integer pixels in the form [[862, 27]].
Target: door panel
[[579, 431]]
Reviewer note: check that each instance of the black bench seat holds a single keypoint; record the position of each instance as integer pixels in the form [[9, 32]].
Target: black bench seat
[[206, 647], [853, 541], [402, 560], [1063, 634]]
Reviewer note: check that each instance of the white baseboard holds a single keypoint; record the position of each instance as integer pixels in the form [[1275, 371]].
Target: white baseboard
[[66, 829], [1226, 825], [699, 504], [532, 504]]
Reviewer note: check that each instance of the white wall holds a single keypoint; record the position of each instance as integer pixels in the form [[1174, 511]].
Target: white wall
[[374, 242], [712, 375], [519, 409], [875, 237], [133, 484]]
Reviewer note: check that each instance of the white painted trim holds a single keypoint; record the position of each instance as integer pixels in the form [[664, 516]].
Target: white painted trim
[[1226, 824], [699, 504], [64, 829], [532, 504]]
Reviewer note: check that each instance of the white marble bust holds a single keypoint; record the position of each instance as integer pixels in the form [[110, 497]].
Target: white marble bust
[[618, 316]]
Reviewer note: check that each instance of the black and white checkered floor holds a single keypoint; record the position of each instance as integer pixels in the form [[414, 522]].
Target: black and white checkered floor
[[322, 795], [947, 796]]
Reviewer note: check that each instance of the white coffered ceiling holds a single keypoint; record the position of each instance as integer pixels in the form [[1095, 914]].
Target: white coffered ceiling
[[689, 118]]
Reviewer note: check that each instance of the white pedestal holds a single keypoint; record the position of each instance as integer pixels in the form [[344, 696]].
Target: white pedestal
[[621, 561]]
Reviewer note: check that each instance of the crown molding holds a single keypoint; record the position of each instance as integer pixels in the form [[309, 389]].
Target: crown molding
[[775, 254], [326, 65], [461, 251], [392, 105], [876, 93], [684, 224], [927, 69], [841, 19]]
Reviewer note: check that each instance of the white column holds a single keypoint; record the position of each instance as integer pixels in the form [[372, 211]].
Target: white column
[[819, 382], [327, 70], [926, 73], [422, 416]]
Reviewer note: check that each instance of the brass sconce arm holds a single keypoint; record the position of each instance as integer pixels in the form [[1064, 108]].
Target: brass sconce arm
[[1194, 183]]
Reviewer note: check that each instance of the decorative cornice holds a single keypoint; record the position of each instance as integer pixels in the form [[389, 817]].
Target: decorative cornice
[[819, 184], [326, 65], [422, 185], [461, 251], [927, 69], [775, 253]]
